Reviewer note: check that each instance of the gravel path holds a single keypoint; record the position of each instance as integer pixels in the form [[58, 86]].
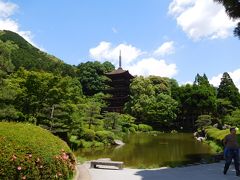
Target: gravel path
[[197, 172]]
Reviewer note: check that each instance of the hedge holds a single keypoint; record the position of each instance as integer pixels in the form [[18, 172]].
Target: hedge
[[144, 128], [215, 138], [105, 137], [30, 152]]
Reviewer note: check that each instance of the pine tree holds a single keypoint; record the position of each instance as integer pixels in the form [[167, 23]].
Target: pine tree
[[228, 90]]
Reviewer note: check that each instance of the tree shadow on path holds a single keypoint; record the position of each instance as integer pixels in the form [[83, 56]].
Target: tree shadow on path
[[197, 172]]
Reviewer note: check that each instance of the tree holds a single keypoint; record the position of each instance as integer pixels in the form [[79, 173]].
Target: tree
[[195, 100], [108, 66], [111, 120], [7, 90], [126, 120], [161, 111], [8, 94], [233, 119], [224, 107], [160, 84], [201, 80], [228, 90], [25, 55], [48, 100], [203, 121], [92, 76], [174, 89], [92, 114], [115, 121], [232, 8], [6, 65], [150, 101]]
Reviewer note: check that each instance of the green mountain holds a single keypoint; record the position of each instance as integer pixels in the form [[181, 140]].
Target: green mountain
[[31, 58]]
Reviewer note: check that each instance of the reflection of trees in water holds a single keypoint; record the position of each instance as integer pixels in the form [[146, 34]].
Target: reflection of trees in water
[[142, 150]]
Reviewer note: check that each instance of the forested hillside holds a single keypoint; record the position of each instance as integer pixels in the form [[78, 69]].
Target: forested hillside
[[23, 54]]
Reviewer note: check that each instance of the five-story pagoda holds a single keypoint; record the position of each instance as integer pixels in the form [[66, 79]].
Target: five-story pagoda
[[119, 88]]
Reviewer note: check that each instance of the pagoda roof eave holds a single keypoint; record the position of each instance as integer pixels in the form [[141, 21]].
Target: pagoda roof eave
[[119, 71]]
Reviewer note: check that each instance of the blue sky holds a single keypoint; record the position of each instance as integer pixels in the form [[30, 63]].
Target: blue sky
[[173, 38]]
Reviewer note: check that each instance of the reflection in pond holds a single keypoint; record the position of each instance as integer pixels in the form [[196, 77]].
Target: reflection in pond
[[148, 151]]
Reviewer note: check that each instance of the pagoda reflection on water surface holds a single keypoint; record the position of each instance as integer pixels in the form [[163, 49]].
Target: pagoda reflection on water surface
[[119, 88]]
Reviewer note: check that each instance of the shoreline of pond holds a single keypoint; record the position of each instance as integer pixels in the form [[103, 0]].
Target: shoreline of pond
[[195, 156]]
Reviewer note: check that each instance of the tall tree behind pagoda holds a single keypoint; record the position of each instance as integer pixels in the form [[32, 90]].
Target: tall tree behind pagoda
[[227, 90], [92, 76], [195, 100], [151, 102]]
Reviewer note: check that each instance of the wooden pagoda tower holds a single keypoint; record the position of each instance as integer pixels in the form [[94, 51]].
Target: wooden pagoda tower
[[119, 88]]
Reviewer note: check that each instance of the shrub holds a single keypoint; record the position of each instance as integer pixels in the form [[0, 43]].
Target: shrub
[[203, 121], [144, 128], [85, 144], [132, 130], [89, 134], [105, 137], [216, 135], [135, 126], [75, 143], [30, 152], [125, 130]]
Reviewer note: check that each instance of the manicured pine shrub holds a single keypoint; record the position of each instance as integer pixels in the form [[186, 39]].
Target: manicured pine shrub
[[88, 134], [144, 128], [135, 126], [132, 130], [105, 137]]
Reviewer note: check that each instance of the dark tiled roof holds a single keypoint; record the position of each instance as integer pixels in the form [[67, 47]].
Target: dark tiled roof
[[118, 71]]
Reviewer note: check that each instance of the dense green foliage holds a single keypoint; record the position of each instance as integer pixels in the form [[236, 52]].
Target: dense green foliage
[[27, 56], [92, 78], [70, 101], [195, 100], [227, 90], [163, 104], [233, 118], [30, 152], [232, 8], [215, 138], [151, 101], [203, 121], [42, 98]]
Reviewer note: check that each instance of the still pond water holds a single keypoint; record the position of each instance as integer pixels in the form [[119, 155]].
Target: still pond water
[[148, 151]]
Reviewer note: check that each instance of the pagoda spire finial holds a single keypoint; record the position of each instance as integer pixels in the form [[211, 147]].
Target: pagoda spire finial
[[120, 59]]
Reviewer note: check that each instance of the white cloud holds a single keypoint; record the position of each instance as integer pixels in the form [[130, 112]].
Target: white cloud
[[186, 82], [152, 66], [132, 59], [215, 80], [201, 18], [7, 9], [165, 49], [105, 51], [235, 75]]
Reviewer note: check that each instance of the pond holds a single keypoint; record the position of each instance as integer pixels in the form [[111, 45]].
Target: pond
[[149, 151]]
